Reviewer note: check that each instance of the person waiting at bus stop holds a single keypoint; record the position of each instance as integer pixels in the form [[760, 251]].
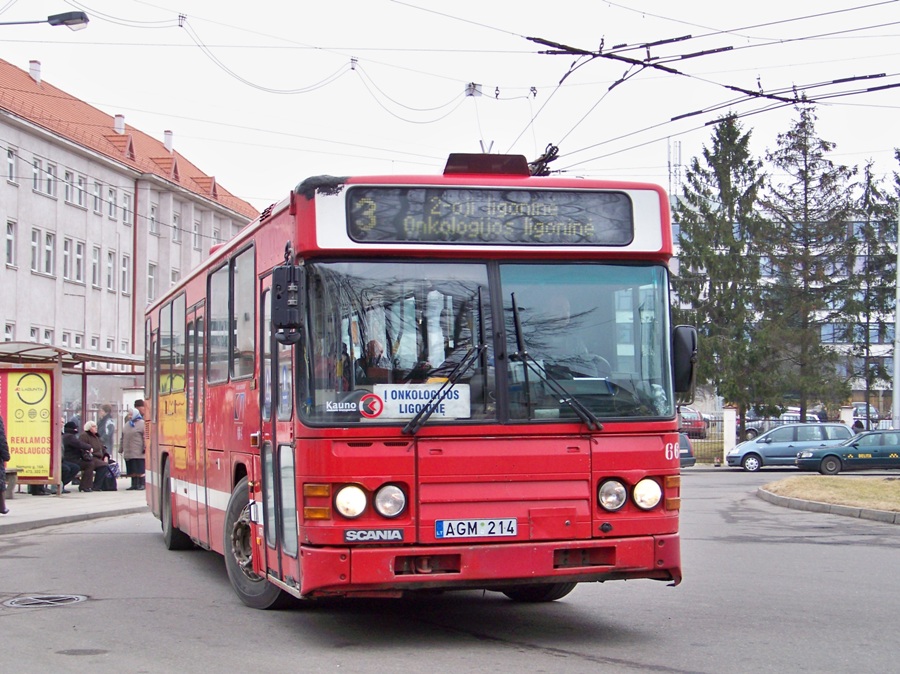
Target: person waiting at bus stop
[[79, 453], [91, 437], [133, 447]]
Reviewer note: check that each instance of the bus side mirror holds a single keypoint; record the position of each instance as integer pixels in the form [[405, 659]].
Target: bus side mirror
[[684, 359], [288, 289]]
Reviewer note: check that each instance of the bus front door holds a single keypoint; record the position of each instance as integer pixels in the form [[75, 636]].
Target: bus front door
[[277, 458]]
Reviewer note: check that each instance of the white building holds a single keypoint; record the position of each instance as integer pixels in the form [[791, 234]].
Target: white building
[[100, 218]]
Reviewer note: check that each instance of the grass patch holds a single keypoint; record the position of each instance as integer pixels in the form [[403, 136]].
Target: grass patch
[[876, 493]]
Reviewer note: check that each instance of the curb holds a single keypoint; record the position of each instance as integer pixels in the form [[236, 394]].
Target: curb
[[14, 527], [885, 516]]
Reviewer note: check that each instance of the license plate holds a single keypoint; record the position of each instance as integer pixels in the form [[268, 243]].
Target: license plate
[[475, 528]]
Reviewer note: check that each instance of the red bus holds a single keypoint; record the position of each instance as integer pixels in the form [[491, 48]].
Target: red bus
[[422, 383]]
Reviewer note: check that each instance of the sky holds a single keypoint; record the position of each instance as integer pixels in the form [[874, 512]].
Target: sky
[[265, 94]]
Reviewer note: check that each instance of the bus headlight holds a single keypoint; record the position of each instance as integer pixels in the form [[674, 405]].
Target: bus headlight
[[350, 501], [647, 494], [390, 501], [612, 495]]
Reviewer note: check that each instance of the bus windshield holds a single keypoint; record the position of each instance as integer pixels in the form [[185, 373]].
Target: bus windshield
[[384, 338]]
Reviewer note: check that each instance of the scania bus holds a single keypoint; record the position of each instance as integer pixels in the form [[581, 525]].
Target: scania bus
[[394, 384]]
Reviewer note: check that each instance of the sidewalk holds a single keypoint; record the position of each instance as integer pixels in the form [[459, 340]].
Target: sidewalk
[[31, 512]]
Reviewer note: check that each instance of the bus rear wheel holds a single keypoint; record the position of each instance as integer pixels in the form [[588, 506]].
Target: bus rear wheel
[[539, 592], [174, 538], [252, 589]]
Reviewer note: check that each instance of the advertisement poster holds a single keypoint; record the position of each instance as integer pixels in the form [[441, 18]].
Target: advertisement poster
[[26, 404]]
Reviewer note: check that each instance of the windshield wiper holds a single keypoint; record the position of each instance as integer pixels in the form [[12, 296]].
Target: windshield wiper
[[588, 417], [429, 408]]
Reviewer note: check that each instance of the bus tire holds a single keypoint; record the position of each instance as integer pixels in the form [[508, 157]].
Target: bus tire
[[252, 589], [174, 538], [539, 592]]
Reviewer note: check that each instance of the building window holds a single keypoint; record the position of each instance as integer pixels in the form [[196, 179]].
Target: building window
[[111, 270], [11, 165], [217, 236], [111, 205], [95, 343], [80, 190], [67, 259], [123, 346], [9, 332], [36, 174], [35, 250], [35, 334], [10, 243], [98, 198], [151, 282], [50, 180], [69, 187], [95, 267], [79, 340], [154, 224], [126, 208], [175, 276], [48, 336], [196, 234], [65, 339], [49, 253], [126, 275], [176, 228], [109, 344], [79, 261]]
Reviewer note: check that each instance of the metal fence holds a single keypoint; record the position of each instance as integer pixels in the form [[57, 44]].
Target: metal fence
[[721, 433]]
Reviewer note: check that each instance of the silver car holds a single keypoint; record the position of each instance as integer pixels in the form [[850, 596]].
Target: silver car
[[779, 446]]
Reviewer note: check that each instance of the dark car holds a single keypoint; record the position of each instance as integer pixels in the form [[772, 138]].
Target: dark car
[[859, 412], [692, 423], [870, 449], [780, 446], [686, 451]]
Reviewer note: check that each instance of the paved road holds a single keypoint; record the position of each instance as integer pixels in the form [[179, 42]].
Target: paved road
[[765, 589]]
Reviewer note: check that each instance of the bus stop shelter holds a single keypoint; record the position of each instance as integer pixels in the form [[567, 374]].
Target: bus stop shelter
[[43, 386]]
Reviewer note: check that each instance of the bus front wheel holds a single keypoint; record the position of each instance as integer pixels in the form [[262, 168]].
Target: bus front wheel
[[539, 592], [252, 589]]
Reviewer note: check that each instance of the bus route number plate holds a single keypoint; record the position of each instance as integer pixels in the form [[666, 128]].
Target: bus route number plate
[[475, 528]]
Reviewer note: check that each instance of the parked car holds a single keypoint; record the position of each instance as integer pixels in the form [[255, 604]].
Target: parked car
[[780, 446], [870, 449], [859, 412], [686, 450], [759, 425], [692, 423]]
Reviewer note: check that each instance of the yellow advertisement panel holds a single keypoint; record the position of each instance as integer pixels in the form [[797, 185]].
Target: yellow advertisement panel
[[27, 406]]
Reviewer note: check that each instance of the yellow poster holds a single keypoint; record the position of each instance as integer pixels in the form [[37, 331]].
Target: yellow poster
[[26, 402]]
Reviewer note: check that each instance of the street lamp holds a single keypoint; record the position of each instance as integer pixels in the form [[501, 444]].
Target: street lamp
[[74, 20]]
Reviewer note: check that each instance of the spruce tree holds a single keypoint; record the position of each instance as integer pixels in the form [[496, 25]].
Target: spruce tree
[[717, 283], [875, 268], [807, 285]]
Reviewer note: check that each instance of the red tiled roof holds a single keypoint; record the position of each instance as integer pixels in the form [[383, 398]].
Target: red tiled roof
[[46, 106]]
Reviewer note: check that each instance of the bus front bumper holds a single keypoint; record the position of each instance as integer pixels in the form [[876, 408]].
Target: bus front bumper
[[393, 570]]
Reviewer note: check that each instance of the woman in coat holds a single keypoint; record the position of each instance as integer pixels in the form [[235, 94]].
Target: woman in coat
[[91, 437], [133, 450]]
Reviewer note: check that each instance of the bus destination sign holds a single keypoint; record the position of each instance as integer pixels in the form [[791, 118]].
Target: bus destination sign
[[458, 215]]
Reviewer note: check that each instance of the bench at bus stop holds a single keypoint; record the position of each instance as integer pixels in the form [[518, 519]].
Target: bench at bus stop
[[12, 479]]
